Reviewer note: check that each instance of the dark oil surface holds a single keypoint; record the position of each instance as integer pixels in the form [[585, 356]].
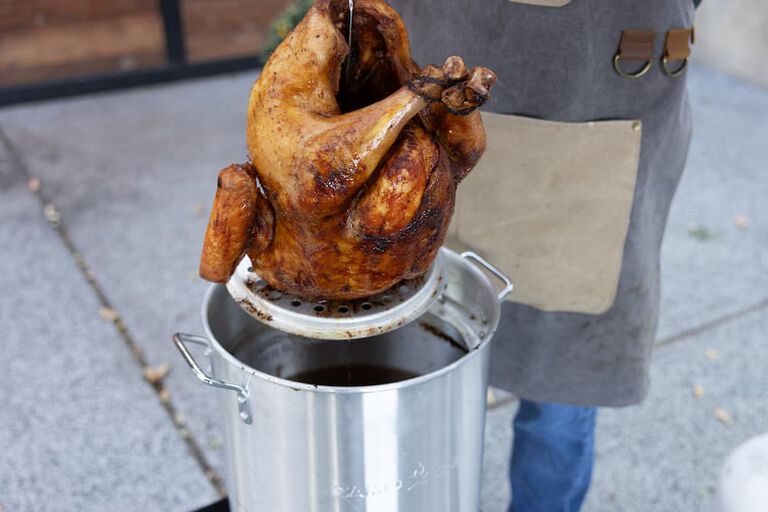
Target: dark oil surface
[[353, 375]]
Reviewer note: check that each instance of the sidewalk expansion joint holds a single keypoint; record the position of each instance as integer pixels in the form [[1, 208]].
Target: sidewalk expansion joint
[[107, 312], [723, 319]]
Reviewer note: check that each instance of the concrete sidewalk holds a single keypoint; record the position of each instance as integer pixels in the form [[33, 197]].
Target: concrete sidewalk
[[104, 201]]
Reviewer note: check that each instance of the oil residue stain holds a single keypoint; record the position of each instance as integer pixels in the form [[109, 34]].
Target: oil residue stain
[[353, 375], [443, 336], [255, 312], [332, 308]]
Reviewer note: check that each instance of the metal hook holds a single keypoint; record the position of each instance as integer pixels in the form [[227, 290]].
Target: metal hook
[[351, 13], [349, 42]]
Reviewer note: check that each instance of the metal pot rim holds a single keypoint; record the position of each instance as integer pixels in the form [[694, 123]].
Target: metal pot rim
[[348, 390], [300, 386]]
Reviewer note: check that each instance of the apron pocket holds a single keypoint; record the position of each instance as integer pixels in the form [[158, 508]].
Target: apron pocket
[[543, 3], [550, 203]]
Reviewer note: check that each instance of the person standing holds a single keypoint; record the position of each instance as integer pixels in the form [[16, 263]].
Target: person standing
[[589, 127]]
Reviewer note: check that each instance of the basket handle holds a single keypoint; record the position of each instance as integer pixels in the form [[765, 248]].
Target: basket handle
[[243, 404]]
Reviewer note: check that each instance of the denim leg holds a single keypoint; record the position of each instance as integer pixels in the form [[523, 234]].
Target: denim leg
[[552, 457]]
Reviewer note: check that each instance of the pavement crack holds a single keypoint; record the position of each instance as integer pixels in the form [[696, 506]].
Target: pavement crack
[[716, 322], [110, 313]]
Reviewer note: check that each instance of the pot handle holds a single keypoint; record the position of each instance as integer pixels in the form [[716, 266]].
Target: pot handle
[[508, 286], [243, 404]]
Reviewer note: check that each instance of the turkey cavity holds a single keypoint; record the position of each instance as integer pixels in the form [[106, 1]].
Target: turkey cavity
[[374, 73]]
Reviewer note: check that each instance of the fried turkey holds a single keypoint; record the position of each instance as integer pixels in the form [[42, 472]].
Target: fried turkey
[[354, 162]]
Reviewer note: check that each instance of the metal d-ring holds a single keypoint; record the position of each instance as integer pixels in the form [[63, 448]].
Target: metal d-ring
[[673, 74], [243, 404], [638, 74]]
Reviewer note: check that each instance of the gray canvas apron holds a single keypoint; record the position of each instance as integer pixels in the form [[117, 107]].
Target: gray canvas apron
[[573, 194]]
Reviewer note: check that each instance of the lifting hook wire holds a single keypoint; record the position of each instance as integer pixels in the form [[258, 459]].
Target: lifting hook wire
[[349, 40]]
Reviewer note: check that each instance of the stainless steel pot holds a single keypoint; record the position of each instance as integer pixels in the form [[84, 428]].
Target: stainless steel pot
[[414, 445]]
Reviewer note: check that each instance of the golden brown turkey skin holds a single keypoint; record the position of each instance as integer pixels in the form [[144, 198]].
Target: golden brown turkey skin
[[360, 175]]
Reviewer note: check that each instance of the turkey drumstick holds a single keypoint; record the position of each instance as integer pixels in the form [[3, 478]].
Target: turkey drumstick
[[348, 191]]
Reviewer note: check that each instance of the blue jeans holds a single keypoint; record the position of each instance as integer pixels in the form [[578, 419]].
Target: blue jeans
[[552, 457]]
